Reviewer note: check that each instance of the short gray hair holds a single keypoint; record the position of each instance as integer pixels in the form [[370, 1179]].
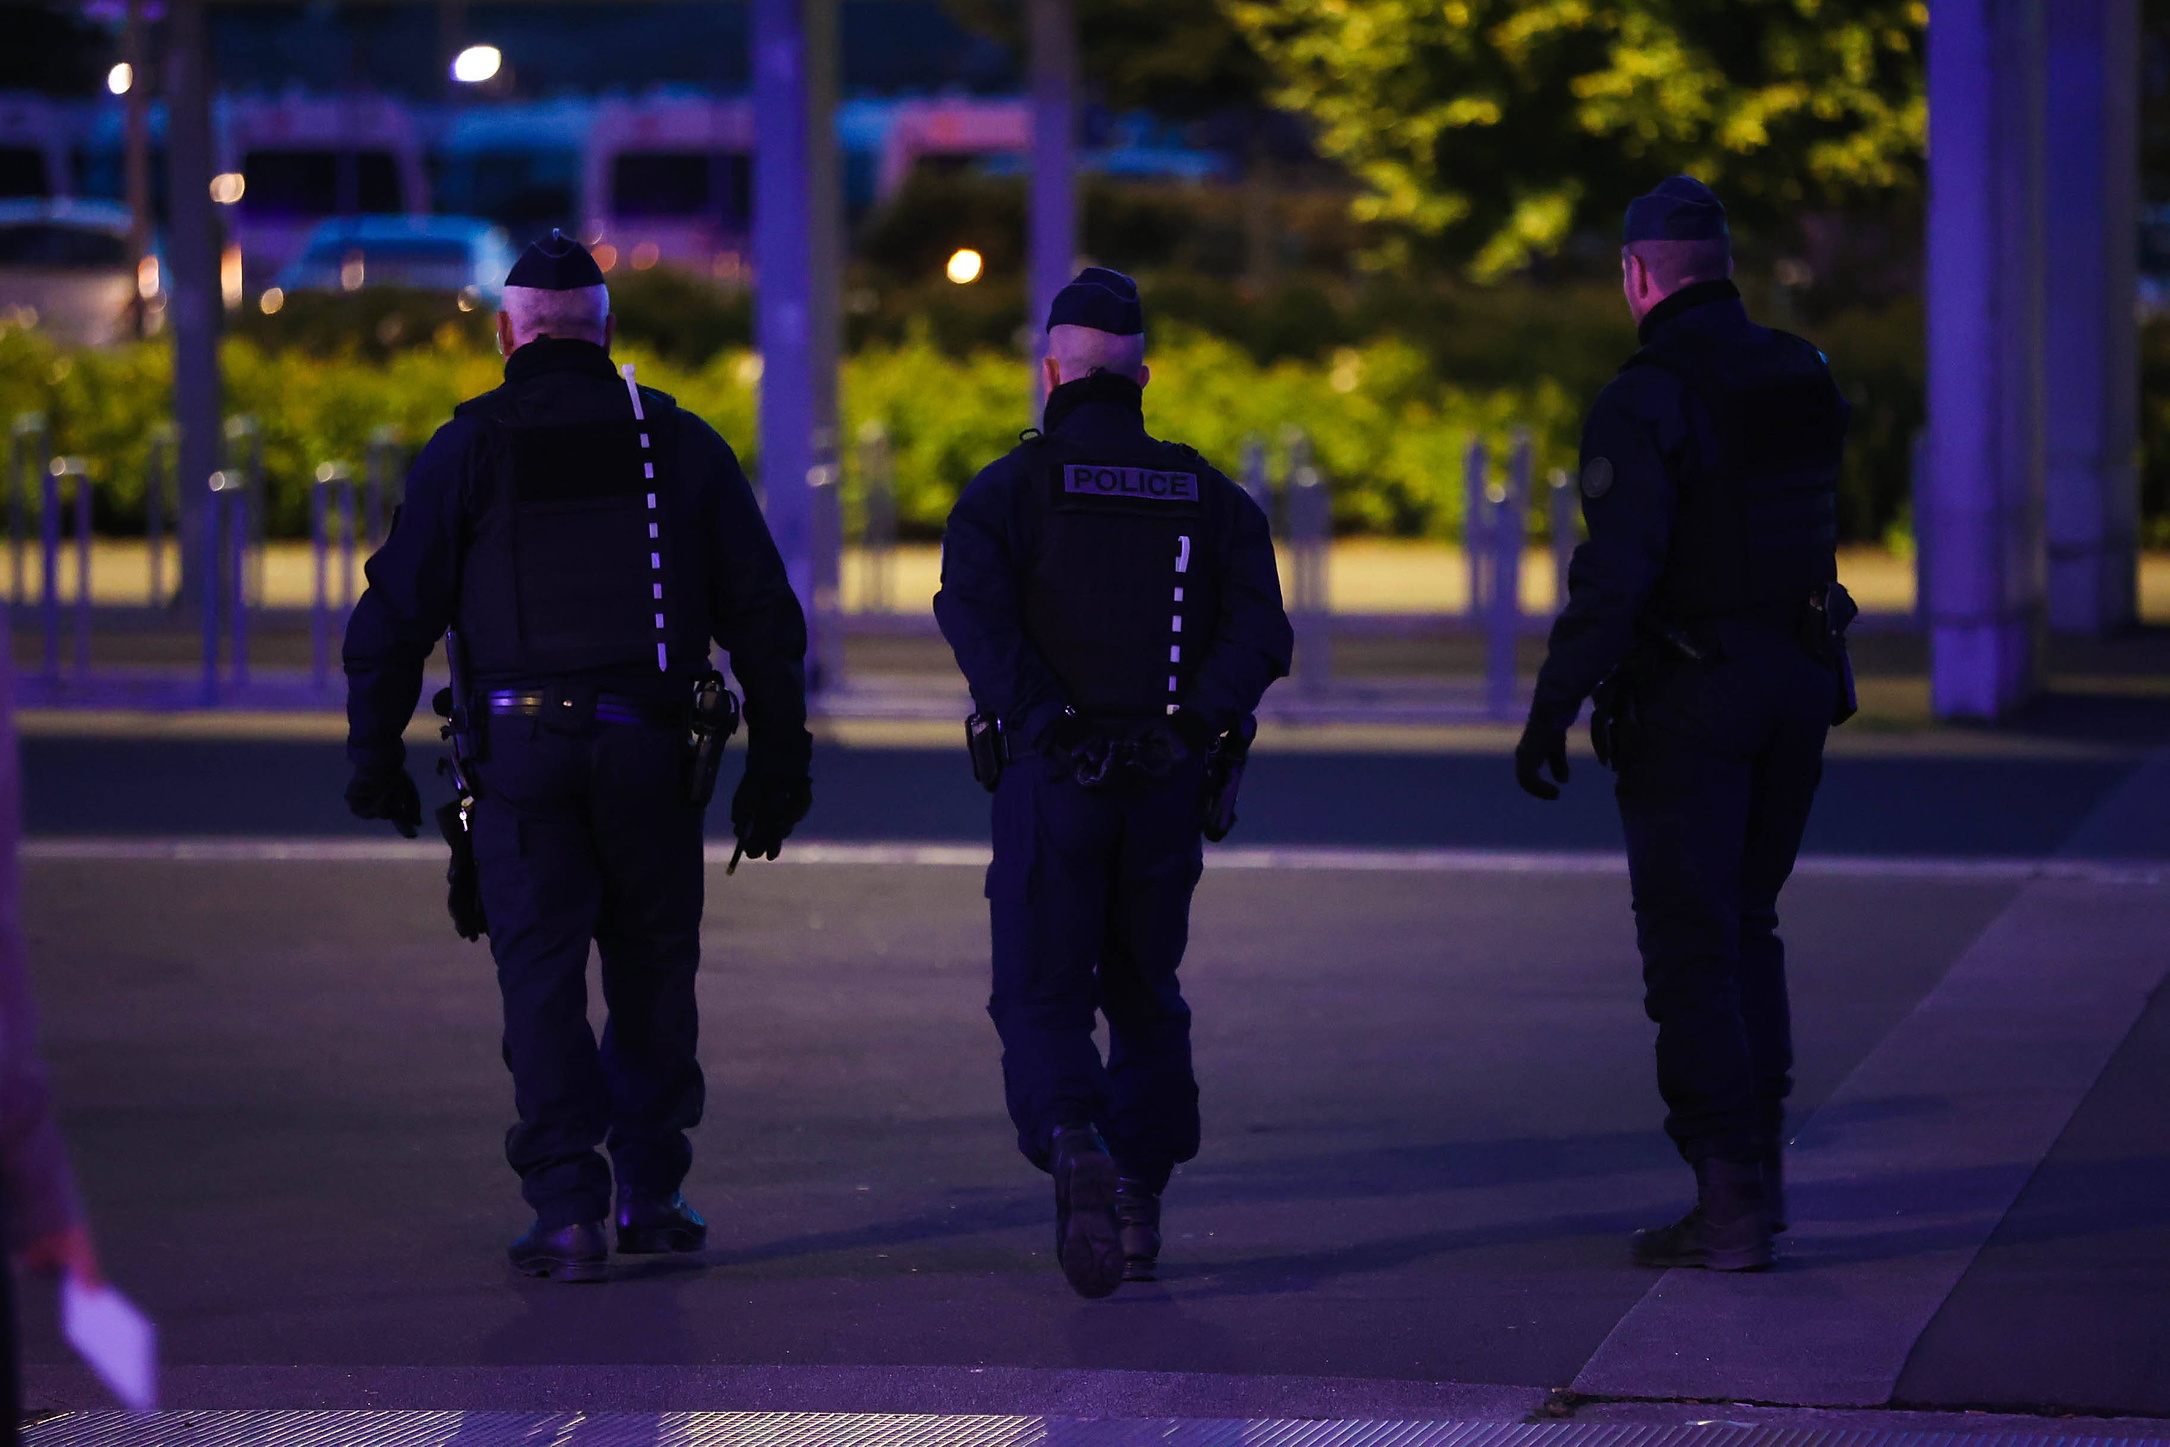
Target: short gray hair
[[577, 314], [1082, 351]]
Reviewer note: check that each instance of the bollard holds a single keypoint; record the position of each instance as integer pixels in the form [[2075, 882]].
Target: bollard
[[245, 452], [1476, 549], [29, 453], [878, 525], [823, 481], [157, 475], [382, 490], [209, 538], [59, 470], [331, 509], [1503, 616], [225, 570], [1565, 511], [1310, 522], [1255, 481]]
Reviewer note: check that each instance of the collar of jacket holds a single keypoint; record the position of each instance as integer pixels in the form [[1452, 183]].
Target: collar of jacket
[[555, 354], [1100, 390], [1687, 299]]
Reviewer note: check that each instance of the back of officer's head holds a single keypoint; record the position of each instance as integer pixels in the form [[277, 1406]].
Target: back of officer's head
[[1679, 234], [1096, 324], [555, 290]]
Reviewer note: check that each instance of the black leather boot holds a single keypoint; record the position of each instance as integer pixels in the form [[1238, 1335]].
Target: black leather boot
[[651, 1225], [1138, 1210], [1774, 1188], [1088, 1237], [1728, 1229], [563, 1253]]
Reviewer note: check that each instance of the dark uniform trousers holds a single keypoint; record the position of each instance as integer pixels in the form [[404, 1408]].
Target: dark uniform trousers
[[1715, 797], [584, 833], [1090, 896]]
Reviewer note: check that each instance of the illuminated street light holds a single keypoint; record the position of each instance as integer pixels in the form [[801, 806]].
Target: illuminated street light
[[272, 299], [227, 186], [476, 64], [964, 266], [120, 78]]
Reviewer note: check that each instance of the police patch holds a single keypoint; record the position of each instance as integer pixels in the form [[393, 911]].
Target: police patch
[[1597, 477], [1092, 479]]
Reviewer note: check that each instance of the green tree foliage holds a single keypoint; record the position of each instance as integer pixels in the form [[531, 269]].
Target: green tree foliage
[[1495, 129], [1178, 58]]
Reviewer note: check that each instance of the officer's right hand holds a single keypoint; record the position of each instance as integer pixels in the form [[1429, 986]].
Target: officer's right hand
[[387, 794], [764, 810], [1541, 748]]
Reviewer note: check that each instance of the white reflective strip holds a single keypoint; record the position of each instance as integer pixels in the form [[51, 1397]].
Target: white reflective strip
[[1182, 554], [632, 389], [651, 530], [663, 659], [659, 592], [649, 469], [659, 620], [651, 499], [655, 560], [1175, 653], [1171, 683], [1178, 623], [644, 439], [1179, 595]]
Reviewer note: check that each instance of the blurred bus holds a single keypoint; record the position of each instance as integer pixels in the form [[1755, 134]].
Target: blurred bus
[[33, 149], [305, 159], [669, 178], [520, 165]]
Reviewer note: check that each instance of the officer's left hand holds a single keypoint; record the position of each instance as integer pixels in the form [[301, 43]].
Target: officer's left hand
[[1163, 746], [1541, 748], [765, 809], [387, 794]]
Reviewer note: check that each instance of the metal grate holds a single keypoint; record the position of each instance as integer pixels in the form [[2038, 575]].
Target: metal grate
[[854, 1429]]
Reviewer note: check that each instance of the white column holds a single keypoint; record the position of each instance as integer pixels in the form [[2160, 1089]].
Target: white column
[[796, 240], [1979, 510], [1051, 239], [2092, 500]]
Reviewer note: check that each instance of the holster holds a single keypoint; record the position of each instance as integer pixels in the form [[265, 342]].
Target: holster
[[463, 882], [715, 719], [988, 745], [1829, 612], [1226, 757]]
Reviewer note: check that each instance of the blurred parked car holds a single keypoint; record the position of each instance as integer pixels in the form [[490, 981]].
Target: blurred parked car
[[65, 266], [460, 254]]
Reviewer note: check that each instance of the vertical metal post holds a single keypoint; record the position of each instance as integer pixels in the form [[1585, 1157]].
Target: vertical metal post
[[78, 469], [1310, 513], [1255, 481], [208, 513], [1476, 536], [49, 570], [344, 498], [383, 484], [1503, 620], [236, 499], [245, 454], [192, 256], [2091, 486], [29, 453], [157, 470], [1051, 239], [320, 570], [136, 154], [796, 243], [1983, 557], [878, 524], [824, 482], [1565, 512]]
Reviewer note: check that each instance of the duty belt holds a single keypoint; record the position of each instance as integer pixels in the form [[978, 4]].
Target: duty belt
[[609, 707]]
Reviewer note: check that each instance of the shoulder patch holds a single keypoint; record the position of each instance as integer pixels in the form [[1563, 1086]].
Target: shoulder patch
[[1597, 477]]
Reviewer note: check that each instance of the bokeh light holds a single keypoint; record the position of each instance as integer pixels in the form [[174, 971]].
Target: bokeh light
[[120, 78], [227, 187], [272, 299], [476, 64], [965, 266]]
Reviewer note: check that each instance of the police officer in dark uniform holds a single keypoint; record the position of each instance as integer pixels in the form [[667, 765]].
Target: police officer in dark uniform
[[1704, 614], [584, 539], [1113, 602]]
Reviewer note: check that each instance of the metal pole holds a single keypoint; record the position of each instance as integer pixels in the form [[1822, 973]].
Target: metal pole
[[344, 498], [1503, 621], [77, 468], [878, 528], [49, 563], [383, 497], [155, 460], [30, 453], [1051, 242], [1564, 513], [237, 579], [192, 257], [207, 568], [1985, 327], [1310, 526], [319, 601], [1476, 464], [825, 482], [135, 112], [1255, 480], [796, 244]]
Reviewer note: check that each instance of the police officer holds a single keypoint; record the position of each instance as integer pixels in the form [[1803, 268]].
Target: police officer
[[1113, 602], [584, 540], [1704, 612]]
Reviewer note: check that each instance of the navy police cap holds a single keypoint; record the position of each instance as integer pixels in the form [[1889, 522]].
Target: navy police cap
[[1680, 208], [1106, 301], [558, 263]]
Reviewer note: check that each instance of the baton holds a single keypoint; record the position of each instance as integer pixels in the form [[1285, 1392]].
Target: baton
[[738, 851]]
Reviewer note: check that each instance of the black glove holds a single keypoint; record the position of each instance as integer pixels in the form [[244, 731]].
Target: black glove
[[387, 794], [1086, 753], [1541, 748], [765, 809], [1165, 743]]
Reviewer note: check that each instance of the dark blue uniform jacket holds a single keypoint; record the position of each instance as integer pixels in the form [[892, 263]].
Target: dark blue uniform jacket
[[992, 556], [732, 569]]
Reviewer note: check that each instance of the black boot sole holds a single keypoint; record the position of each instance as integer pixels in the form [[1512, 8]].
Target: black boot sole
[[1091, 1245], [578, 1271], [1141, 1268], [1760, 1257], [658, 1240]]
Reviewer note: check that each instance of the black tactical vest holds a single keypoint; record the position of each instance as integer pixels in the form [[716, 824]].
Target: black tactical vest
[[1756, 525], [1123, 590], [580, 556]]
